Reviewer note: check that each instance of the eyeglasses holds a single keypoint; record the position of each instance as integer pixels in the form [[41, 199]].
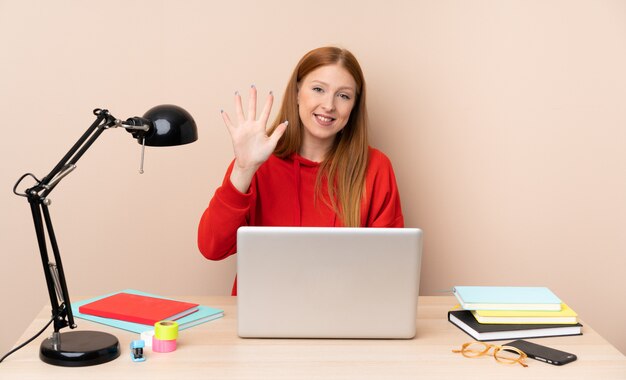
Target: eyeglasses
[[502, 354]]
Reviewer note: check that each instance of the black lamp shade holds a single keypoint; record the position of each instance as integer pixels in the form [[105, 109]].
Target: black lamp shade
[[170, 125]]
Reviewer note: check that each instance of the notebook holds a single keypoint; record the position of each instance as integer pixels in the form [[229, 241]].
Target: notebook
[[507, 298], [565, 316], [204, 314], [464, 320], [138, 308], [325, 282]]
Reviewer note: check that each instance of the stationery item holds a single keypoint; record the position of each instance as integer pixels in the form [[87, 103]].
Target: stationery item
[[146, 336], [204, 314], [136, 351], [165, 334], [464, 320], [565, 316], [166, 330], [506, 298], [138, 308], [163, 346]]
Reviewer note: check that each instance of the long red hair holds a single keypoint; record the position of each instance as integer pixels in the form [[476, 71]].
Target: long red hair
[[345, 164]]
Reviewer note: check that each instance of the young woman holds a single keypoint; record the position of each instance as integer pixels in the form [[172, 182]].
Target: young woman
[[311, 167]]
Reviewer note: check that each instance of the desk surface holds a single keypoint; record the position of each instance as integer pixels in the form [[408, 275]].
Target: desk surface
[[213, 351]]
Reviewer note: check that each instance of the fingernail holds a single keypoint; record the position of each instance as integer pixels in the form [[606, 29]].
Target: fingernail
[[221, 111], [271, 92], [252, 86], [236, 93], [286, 122]]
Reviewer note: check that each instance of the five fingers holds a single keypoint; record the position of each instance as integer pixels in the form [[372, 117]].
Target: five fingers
[[241, 118]]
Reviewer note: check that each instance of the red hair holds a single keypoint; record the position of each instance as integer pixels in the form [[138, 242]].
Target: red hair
[[345, 164]]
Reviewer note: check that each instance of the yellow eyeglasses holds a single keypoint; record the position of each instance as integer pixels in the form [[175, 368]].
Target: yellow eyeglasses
[[502, 354]]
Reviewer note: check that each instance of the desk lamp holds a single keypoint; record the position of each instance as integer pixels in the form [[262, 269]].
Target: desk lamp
[[164, 125]]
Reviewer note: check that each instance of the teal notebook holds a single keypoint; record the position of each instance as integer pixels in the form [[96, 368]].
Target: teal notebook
[[204, 314], [506, 298]]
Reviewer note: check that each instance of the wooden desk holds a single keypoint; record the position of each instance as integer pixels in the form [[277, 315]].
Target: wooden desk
[[213, 351]]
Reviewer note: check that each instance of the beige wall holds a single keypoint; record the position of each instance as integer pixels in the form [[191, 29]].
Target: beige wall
[[505, 121]]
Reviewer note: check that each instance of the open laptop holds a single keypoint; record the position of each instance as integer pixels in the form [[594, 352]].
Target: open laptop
[[325, 282]]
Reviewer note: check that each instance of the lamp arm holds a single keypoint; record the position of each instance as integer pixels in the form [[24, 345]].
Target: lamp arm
[[53, 272], [67, 164], [100, 116]]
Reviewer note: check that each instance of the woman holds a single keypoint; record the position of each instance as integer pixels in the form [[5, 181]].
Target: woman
[[311, 167]]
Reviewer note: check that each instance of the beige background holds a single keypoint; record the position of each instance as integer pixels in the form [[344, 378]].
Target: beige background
[[505, 121]]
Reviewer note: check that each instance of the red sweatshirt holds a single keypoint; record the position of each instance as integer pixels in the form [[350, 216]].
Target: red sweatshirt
[[282, 194]]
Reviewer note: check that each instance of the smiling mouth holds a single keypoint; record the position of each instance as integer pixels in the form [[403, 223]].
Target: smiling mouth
[[324, 119]]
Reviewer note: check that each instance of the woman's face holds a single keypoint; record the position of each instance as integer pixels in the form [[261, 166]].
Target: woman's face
[[326, 97]]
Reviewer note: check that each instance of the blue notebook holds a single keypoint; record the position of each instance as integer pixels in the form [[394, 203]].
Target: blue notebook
[[506, 298], [204, 314]]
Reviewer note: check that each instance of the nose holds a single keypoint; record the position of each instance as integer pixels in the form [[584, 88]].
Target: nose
[[328, 103]]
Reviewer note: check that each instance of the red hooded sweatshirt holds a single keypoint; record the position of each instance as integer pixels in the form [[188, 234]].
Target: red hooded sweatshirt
[[282, 193]]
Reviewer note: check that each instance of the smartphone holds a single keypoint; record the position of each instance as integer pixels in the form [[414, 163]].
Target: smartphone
[[543, 353]]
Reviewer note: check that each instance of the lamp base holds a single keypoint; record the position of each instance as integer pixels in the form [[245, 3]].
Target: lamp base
[[80, 349]]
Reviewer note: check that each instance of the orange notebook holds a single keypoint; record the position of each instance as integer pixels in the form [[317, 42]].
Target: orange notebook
[[138, 309]]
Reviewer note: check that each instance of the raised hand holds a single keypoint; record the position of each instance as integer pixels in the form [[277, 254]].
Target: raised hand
[[250, 139]]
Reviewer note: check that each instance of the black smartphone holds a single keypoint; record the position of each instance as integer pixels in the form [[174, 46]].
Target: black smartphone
[[543, 353]]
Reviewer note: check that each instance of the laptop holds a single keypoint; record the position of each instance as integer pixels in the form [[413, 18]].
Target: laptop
[[328, 282]]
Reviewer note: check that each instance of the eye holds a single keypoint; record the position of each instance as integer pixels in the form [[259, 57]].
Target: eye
[[318, 89], [345, 96]]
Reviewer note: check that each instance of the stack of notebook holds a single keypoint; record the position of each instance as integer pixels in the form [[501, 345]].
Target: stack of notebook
[[501, 312], [137, 311]]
